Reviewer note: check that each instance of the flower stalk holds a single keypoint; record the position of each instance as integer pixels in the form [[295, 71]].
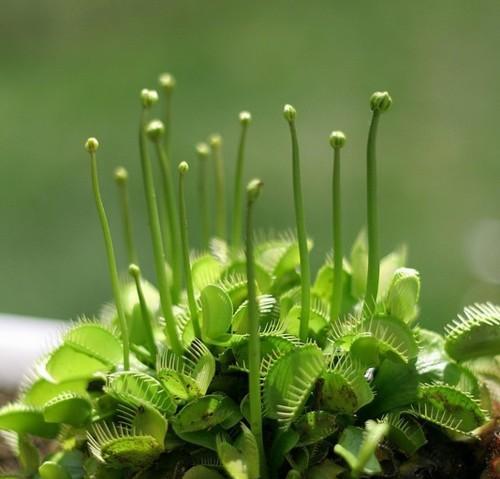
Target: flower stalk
[[148, 99], [203, 152], [337, 141], [193, 308], [290, 114], [91, 145], [253, 191], [245, 118], [121, 179], [379, 103], [220, 201]]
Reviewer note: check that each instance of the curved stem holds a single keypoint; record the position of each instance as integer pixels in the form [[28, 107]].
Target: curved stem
[[254, 336], [193, 308], [113, 271], [156, 238], [373, 246], [305, 273], [121, 177], [147, 317], [336, 303], [238, 192], [171, 221]]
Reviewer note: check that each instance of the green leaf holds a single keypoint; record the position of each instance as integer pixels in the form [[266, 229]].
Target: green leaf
[[41, 390], [26, 420], [95, 340], [144, 420], [205, 270], [289, 382], [326, 470], [68, 408], [205, 413], [269, 312], [283, 443], [344, 387], [67, 364], [449, 408], [52, 470], [404, 291], [314, 426], [137, 389], [405, 433], [474, 334], [217, 311]]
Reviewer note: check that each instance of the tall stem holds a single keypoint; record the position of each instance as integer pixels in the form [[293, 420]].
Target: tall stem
[[147, 317], [220, 200], [91, 146], [193, 308], [203, 152], [154, 224], [245, 119], [253, 191], [121, 178], [337, 141], [305, 273], [380, 102]]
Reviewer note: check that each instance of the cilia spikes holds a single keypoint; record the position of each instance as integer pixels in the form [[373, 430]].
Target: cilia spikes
[[243, 366]]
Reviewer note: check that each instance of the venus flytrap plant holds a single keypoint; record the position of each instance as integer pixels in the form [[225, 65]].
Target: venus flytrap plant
[[305, 273], [238, 385], [91, 145], [167, 84]]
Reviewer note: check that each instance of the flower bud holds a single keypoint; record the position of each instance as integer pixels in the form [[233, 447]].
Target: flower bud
[[155, 130], [92, 145], [289, 113], [202, 149], [245, 117], [166, 81], [148, 97], [337, 139], [380, 101], [121, 175], [253, 189], [183, 167], [134, 270], [215, 140]]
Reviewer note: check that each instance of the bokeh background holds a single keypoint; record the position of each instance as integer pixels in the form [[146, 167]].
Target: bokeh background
[[70, 69]]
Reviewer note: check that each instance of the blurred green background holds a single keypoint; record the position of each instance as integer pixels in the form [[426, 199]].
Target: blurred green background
[[70, 69]]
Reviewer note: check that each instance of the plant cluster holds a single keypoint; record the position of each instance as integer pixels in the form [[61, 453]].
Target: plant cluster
[[239, 365]]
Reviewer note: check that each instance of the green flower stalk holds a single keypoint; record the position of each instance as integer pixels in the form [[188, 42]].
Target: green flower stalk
[[155, 131], [220, 202], [91, 145], [337, 141], [167, 85], [203, 152], [193, 308], [148, 98], [147, 318], [121, 179], [379, 103], [245, 118], [305, 273], [253, 191]]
